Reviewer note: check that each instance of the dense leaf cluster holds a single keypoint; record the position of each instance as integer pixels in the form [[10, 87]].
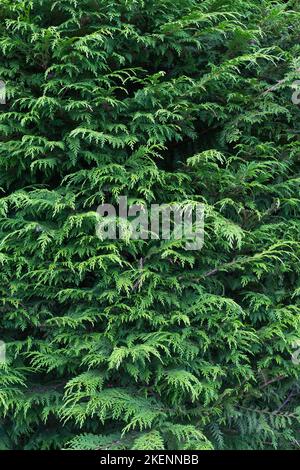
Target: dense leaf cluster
[[138, 344]]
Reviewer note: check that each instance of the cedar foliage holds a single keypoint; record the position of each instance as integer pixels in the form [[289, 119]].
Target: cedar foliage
[[136, 344]]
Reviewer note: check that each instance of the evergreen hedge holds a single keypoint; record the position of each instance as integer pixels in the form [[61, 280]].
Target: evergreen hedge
[[138, 344]]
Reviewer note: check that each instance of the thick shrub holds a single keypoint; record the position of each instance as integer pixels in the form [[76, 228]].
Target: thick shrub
[[142, 344]]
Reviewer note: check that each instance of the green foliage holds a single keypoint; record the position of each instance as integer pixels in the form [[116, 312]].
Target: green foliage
[[136, 344]]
